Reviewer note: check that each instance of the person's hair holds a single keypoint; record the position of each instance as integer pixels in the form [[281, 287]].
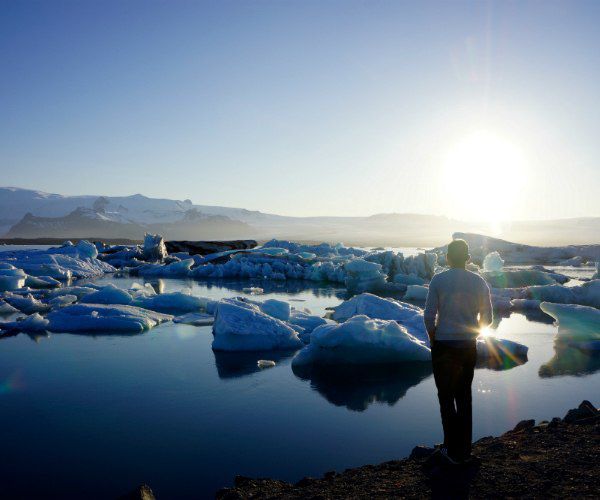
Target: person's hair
[[458, 252]]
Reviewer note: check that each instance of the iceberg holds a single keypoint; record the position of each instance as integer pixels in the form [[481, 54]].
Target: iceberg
[[492, 262], [518, 278], [6, 308], [62, 263], [416, 292], [27, 304], [195, 319], [178, 269], [62, 301], [33, 323], [362, 340], [41, 282], [173, 302], [154, 247], [11, 278], [376, 307], [575, 322], [242, 326], [587, 294], [98, 318], [362, 276], [276, 308], [306, 323], [109, 294]]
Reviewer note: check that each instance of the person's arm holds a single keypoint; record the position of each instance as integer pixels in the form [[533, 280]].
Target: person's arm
[[486, 314], [431, 309]]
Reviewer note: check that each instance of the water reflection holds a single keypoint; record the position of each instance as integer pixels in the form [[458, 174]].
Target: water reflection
[[239, 364], [569, 360], [356, 387]]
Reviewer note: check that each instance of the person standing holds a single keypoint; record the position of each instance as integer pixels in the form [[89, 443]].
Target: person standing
[[458, 306]]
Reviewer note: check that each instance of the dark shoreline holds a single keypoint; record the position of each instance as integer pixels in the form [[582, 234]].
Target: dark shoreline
[[552, 459]]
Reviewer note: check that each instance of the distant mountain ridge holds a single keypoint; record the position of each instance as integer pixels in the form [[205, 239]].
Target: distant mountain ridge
[[26, 213]]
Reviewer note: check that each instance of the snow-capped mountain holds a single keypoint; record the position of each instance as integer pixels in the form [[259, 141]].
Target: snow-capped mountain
[[27, 213]]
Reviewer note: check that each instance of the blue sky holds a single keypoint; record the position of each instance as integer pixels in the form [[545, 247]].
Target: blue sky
[[305, 107]]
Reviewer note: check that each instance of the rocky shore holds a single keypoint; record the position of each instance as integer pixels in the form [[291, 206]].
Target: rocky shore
[[554, 458]]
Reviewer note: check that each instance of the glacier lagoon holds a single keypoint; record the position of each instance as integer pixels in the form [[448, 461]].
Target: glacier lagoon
[[95, 415]]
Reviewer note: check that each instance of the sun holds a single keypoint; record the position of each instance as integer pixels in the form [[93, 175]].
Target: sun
[[482, 177]]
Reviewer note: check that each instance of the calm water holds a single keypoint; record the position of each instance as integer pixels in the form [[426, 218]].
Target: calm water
[[93, 416]]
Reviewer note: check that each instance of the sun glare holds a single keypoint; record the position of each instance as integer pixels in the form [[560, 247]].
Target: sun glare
[[483, 174]]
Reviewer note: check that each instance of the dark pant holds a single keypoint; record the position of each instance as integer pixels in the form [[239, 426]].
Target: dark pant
[[453, 368]]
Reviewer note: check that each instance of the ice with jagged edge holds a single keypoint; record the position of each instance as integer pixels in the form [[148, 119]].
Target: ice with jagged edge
[[241, 326]]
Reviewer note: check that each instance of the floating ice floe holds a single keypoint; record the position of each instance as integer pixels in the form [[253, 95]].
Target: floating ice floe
[[493, 262], [11, 278], [195, 319], [6, 308], [41, 282], [518, 278], [241, 326], [33, 323], [376, 307], [154, 247], [109, 294], [27, 304], [172, 302], [276, 308], [362, 340], [98, 318], [305, 323], [253, 290], [62, 301], [575, 322], [77, 261], [265, 363], [416, 292], [587, 294]]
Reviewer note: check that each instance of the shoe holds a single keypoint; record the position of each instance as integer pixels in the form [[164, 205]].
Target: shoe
[[439, 457]]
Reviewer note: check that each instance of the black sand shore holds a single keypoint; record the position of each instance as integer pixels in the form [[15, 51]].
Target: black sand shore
[[549, 460]]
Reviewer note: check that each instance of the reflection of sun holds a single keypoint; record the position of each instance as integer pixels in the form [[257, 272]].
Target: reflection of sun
[[485, 332], [482, 176]]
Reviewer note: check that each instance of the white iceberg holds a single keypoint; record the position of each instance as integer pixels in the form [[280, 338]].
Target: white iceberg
[[195, 319], [362, 340], [305, 323], [27, 304], [173, 302], [575, 322], [62, 301], [362, 276], [11, 278], [179, 269], [276, 308], [587, 294], [376, 307], [242, 326], [109, 294], [77, 261], [493, 262], [33, 323], [154, 247], [98, 318]]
